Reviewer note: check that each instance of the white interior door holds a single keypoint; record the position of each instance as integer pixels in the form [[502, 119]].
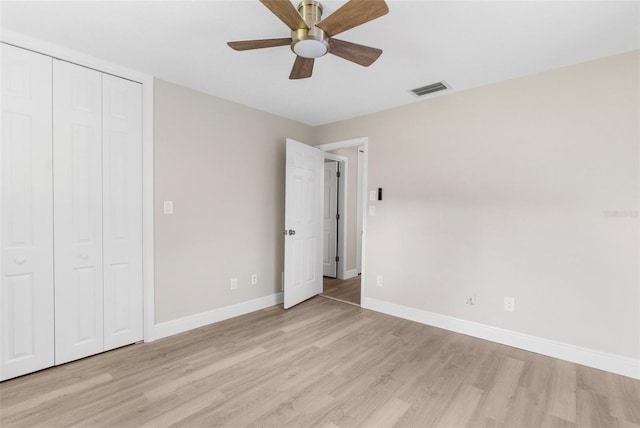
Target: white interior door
[[122, 211], [77, 166], [329, 219], [26, 295], [303, 223]]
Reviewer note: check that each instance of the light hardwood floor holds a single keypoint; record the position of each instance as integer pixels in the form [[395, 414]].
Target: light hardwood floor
[[320, 364], [347, 290]]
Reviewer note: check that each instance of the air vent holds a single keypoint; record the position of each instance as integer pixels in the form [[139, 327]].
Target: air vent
[[429, 89]]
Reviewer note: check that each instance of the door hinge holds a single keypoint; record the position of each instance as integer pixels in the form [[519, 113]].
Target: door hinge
[[337, 258], [338, 174], [337, 216]]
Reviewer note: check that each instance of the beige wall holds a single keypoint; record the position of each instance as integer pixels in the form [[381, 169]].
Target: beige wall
[[223, 166], [351, 154], [527, 188]]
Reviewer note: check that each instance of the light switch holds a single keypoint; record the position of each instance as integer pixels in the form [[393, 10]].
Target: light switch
[[372, 210], [373, 195], [168, 207]]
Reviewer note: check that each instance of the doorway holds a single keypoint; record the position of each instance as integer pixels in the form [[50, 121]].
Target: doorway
[[331, 217], [350, 159]]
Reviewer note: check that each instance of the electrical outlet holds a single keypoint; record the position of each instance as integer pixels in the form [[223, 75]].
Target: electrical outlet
[[254, 279], [234, 283], [509, 304], [379, 280], [167, 207]]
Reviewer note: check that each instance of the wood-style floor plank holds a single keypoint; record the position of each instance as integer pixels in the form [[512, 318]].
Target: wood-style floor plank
[[346, 290], [321, 364]]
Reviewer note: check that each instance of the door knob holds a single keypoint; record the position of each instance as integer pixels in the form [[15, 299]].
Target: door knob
[[292, 232], [84, 256], [19, 260]]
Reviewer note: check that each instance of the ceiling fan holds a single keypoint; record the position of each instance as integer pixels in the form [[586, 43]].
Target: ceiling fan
[[312, 37]]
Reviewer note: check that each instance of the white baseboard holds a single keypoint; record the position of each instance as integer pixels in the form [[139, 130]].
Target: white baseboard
[[352, 273], [169, 328], [618, 364]]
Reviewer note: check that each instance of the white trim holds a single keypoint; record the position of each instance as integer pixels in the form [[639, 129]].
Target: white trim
[[362, 142], [69, 55], [618, 364], [343, 144], [351, 273], [343, 238], [65, 54], [148, 231], [335, 157], [359, 207], [169, 328]]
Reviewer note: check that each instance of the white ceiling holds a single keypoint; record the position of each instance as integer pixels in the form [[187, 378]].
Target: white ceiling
[[466, 44]]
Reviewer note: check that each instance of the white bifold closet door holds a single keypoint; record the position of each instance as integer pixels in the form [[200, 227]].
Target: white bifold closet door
[[26, 297], [71, 213], [122, 211], [77, 190], [97, 211]]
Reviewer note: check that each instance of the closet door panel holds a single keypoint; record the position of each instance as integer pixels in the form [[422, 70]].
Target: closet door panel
[[26, 293], [122, 211], [77, 142]]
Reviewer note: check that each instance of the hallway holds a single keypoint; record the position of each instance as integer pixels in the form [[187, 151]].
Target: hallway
[[347, 290]]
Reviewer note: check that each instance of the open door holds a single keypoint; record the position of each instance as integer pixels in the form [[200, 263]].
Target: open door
[[303, 223], [330, 220]]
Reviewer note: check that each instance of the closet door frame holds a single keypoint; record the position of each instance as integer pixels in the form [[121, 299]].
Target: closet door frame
[[65, 54]]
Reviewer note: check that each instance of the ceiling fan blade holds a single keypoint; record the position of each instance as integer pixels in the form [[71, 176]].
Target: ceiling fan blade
[[352, 14], [286, 12], [360, 54], [302, 68], [245, 45]]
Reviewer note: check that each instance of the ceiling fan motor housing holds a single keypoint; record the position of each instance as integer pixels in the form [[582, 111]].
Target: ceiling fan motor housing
[[312, 42]]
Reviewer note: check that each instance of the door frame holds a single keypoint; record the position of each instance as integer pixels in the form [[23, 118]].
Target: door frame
[[363, 168], [341, 250], [359, 208], [40, 46]]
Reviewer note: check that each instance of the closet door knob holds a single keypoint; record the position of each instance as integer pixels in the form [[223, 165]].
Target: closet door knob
[[20, 260], [84, 256]]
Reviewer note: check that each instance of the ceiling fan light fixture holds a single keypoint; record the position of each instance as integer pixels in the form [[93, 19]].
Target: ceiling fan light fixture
[[312, 36], [311, 48]]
